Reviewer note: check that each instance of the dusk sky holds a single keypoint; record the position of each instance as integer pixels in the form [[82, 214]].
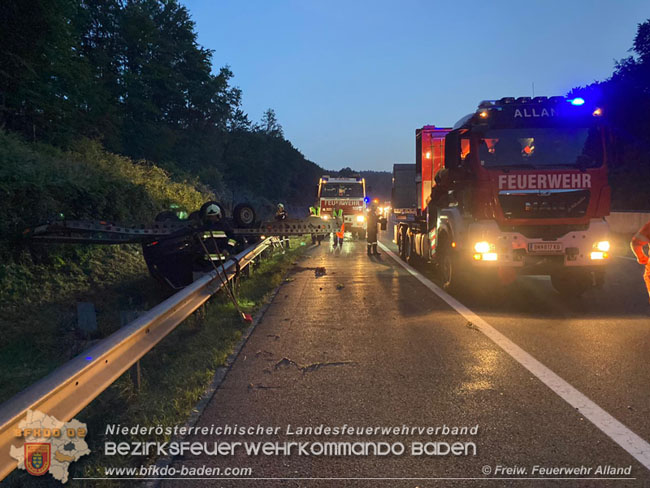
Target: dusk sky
[[351, 80]]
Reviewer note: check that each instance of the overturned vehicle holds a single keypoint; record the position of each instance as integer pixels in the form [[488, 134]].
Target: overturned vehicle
[[176, 248]]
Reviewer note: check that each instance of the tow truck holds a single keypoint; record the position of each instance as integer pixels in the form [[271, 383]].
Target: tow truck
[[347, 195], [175, 249], [518, 187]]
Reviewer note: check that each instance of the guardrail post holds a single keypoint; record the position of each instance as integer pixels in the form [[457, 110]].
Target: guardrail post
[[86, 318], [126, 317], [135, 375]]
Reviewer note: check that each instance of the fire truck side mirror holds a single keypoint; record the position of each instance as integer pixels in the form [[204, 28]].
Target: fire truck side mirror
[[452, 150]]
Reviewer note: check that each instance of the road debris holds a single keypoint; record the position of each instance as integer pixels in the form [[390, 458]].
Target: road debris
[[286, 363], [264, 353], [470, 325], [251, 386], [318, 270]]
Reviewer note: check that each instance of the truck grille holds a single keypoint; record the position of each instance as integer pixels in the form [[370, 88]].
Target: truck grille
[[544, 205]]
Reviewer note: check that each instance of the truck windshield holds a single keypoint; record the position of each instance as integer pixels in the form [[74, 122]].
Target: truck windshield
[[541, 148], [342, 190]]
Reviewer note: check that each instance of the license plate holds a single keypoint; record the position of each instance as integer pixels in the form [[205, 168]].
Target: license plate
[[545, 247]]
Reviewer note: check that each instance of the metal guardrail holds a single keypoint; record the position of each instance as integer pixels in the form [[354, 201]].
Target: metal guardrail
[[68, 389]]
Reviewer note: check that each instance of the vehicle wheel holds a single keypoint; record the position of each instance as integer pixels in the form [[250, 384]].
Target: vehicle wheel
[[448, 268], [401, 243], [571, 283], [244, 215], [409, 251], [166, 216], [212, 212]]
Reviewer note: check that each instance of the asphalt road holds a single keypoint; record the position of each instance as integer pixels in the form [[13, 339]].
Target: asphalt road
[[369, 345]]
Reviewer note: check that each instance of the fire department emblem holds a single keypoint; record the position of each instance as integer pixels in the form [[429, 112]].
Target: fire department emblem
[[37, 457]]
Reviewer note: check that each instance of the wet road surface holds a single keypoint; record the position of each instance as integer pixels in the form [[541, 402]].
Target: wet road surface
[[367, 345]]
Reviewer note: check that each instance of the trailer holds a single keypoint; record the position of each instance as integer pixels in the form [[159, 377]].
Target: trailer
[[176, 249]]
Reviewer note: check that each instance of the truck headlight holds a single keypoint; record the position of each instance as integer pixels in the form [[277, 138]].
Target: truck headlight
[[360, 218], [598, 255], [486, 256], [325, 217], [483, 247], [602, 246]]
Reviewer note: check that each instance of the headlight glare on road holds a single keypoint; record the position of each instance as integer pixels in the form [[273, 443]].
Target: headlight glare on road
[[360, 218], [602, 246], [483, 247]]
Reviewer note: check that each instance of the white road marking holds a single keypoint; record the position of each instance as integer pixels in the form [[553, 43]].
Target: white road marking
[[615, 430]]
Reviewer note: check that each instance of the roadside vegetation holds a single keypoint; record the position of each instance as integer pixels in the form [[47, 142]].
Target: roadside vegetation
[[625, 99], [132, 75], [174, 374], [41, 283]]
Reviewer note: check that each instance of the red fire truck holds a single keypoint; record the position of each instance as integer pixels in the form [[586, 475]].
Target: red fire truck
[[347, 195], [518, 187]]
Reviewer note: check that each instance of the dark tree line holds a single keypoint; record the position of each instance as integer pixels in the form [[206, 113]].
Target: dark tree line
[[131, 74], [625, 98]]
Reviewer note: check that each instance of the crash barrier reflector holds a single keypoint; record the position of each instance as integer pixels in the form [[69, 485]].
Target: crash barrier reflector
[[627, 222], [72, 386]]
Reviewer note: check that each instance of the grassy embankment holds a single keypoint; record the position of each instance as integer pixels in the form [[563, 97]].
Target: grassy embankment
[[40, 285]]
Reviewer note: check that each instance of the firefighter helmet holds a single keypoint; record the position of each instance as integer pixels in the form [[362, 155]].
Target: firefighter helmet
[[211, 212]]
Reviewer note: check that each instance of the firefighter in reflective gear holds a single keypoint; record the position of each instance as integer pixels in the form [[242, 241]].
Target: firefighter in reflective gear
[[641, 239], [314, 212], [337, 214], [372, 221], [281, 214]]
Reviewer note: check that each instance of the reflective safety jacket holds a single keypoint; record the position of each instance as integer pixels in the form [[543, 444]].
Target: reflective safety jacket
[[638, 241]]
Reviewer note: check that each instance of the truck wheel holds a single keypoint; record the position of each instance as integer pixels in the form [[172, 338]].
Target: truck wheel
[[401, 243], [571, 283], [409, 253], [448, 268], [244, 215]]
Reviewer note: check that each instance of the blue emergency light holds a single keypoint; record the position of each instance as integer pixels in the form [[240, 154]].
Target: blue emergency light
[[577, 101], [366, 200]]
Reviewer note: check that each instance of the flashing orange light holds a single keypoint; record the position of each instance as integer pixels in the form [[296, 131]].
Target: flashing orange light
[[598, 112], [376, 200], [483, 114], [453, 244], [428, 155], [478, 257]]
